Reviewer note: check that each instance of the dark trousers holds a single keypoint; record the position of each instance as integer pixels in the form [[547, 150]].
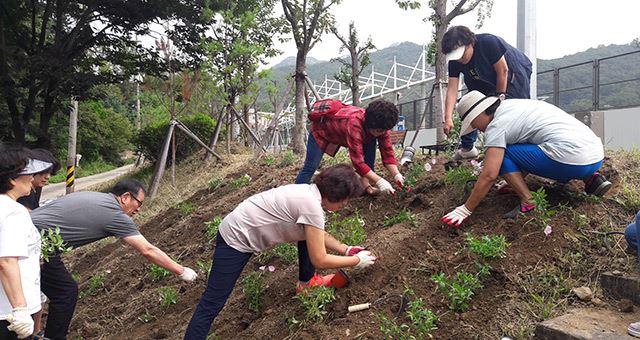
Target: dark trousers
[[228, 263], [6, 334], [62, 290]]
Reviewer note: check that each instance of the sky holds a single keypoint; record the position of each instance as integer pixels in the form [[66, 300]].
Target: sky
[[564, 27]]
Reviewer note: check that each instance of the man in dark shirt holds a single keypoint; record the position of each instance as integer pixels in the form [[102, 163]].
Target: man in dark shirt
[[489, 65], [83, 218]]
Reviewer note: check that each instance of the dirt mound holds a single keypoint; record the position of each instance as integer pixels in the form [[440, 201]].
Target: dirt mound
[[530, 284]]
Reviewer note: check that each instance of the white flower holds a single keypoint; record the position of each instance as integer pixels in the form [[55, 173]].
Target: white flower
[[271, 268], [434, 161], [427, 166], [548, 230]]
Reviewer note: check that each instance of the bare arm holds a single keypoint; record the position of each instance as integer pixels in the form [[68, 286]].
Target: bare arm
[[502, 73], [11, 283], [318, 253], [392, 168], [333, 244], [153, 254], [450, 103], [490, 170]]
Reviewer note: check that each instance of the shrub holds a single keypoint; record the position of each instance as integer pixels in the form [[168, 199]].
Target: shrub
[[253, 287], [52, 243], [488, 246], [149, 140], [315, 300]]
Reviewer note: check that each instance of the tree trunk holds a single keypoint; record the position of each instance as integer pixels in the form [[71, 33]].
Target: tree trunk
[[355, 73], [441, 70], [297, 140]]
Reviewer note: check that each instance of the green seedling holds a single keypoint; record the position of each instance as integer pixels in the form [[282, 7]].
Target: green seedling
[[52, 243], [158, 273], [349, 230], [404, 215], [96, 282], [204, 267], [494, 246], [287, 159], [315, 300], [341, 157], [146, 317], [215, 183], [185, 208], [459, 177], [270, 160], [418, 323], [413, 175], [286, 251], [458, 289], [212, 228], [542, 213], [253, 287], [241, 181], [168, 295]]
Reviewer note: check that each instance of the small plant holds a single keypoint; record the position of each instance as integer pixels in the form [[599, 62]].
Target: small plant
[[458, 177], [340, 157], [52, 243], [96, 282], [404, 215], [542, 213], [185, 208], [253, 287], [458, 289], [146, 316], [315, 300], [286, 251], [488, 246], [212, 228], [349, 230], [158, 273], [418, 323], [270, 160], [413, 175], [76, 277], [215, 183], [628, 196], [204, 267], [240, 182], [168, 295], [287, 159]]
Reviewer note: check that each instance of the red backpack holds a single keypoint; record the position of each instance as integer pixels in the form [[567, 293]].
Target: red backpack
[[332, 109]]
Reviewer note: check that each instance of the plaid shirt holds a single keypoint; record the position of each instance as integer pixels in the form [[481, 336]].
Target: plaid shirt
[[331, 134]]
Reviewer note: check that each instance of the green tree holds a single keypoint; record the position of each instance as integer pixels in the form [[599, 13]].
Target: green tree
[[350, 71]]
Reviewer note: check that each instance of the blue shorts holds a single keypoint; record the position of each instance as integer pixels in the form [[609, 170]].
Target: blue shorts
[[530, 158]]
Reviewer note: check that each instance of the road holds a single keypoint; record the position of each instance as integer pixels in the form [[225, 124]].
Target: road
[[53, 191]]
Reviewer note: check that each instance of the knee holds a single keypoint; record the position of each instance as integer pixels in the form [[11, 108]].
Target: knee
[[630, 235]]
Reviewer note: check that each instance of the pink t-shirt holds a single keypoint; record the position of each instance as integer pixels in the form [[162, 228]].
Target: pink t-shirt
[[273, 217]]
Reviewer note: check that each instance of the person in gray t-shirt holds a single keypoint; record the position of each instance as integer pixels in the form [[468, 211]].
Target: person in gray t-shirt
[[528, 136], [83, 218]]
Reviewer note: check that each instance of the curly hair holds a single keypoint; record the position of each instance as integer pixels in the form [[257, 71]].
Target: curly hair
[[381, 114], [338, 182], [12, 161], [457, 36]]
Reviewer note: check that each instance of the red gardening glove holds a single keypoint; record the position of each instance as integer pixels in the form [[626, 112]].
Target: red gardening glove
[[352, 250]]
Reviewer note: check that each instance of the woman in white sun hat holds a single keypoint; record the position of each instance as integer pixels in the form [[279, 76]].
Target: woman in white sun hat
[[19, 245], [527, 136]]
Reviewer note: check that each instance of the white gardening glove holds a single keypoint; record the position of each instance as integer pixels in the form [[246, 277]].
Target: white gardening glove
[[385, 186], [366, 259], [399, 180], [457, 216], [20, 322], [352, 250], [188, 275]]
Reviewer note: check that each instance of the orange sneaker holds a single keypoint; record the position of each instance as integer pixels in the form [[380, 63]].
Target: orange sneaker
[[316, 280]]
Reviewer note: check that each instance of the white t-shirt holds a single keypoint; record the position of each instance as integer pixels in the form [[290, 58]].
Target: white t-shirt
[[273, 217], [560, 135], [20, 238]]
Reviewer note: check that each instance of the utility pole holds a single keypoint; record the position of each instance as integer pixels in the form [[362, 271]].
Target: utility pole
[[137, 104], [527, 39], [71, 153]]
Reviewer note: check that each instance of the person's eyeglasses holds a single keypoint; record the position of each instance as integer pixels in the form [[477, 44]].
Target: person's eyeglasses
[[137, 200]]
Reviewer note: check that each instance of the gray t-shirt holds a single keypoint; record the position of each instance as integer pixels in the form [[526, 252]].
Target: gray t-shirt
[[85, 217], [273, 217], [560, 136]]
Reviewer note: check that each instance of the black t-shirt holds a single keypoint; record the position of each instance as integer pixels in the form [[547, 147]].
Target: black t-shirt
[[480, 75], [33, 200]]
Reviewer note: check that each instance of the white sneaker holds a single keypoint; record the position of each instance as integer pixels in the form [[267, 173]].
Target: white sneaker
[[460, 154]]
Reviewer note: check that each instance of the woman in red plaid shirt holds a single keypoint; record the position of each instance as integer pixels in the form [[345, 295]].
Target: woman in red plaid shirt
[[334, 124]]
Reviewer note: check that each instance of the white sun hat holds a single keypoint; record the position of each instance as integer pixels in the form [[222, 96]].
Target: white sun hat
[[455, 54], [470, 106], [35, 166]]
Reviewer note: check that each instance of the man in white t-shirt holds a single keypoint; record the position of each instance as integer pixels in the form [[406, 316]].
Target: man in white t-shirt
[[528, 136], [19, 246]]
